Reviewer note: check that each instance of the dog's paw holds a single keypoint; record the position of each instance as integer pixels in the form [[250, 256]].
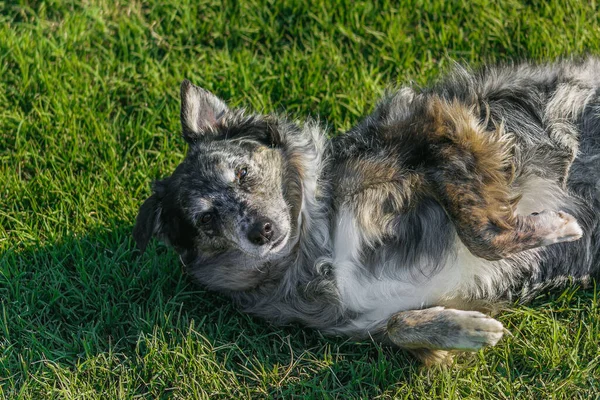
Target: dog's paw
[[471, 331], [556, 227], [438, 328]]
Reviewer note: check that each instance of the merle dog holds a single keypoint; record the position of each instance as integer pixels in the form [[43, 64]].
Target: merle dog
[[441, 204]]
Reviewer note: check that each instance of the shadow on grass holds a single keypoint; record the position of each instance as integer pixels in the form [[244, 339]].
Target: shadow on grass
[[86, 296], [67, 305]]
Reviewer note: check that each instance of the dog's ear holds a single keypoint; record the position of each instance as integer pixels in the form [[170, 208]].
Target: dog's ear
[[200, 110], [147, 222]]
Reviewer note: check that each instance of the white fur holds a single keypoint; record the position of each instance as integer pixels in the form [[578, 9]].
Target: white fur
[[540, 194], [193, 112], [197, 119], [378, 297], [463, 275]]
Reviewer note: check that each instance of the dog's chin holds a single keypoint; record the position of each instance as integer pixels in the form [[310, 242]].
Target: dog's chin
[[279, 244]]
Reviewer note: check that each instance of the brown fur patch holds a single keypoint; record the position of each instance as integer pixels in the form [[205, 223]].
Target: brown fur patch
[[463, 141], [473, 180], [366, 183]]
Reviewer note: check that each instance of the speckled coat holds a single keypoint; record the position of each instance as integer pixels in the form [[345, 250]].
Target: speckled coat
[[443, 202]]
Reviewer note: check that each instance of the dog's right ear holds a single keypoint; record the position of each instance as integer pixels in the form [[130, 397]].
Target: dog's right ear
[[200, 111], [147, 222]]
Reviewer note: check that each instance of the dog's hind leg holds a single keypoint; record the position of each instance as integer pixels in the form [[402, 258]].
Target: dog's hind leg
[[427, 332], [493, 241], [471, 177]]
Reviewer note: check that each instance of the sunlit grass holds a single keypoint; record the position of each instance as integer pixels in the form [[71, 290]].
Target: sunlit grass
[[89, 115]]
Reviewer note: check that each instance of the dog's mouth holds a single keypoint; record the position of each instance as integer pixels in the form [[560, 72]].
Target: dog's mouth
[[279, 243], [269, 251]]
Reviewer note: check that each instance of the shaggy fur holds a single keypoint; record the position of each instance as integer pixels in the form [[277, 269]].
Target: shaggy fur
[[442, 203]]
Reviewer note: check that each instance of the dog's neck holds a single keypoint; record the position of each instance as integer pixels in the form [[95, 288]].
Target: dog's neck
[[299, 286], [311, 238], [313, 226]]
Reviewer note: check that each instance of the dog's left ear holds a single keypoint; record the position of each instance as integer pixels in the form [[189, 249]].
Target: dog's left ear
[[200, 110], [147, 222]]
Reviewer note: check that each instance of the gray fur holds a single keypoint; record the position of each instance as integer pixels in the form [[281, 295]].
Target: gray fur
[[367, 233]]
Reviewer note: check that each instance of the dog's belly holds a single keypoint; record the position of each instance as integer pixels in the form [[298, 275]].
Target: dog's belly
[[374, 297], [374, 293]]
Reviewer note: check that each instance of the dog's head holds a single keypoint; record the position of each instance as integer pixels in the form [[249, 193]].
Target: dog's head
[[232, 206]]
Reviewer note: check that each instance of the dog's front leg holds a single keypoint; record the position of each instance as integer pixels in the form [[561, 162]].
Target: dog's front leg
[[438, 328]]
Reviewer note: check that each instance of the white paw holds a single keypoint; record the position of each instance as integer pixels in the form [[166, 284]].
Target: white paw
[[561, 227], [474, 330]]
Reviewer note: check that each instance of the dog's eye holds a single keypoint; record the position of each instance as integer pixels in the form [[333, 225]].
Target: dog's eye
[[241, 174], [206, 218]]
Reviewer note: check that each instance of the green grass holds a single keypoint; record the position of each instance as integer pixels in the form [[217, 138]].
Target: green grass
[[89, 115]]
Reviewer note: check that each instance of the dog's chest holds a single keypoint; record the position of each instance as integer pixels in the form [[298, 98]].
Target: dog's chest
[[382, 286]]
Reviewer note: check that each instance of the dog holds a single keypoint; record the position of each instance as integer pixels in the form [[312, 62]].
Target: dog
[[443, 203]]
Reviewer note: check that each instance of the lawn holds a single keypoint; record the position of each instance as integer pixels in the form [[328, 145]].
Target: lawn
[[89, 116]]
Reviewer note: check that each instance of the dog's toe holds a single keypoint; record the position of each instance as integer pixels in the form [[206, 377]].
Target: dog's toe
[[475, 330], [557, 227]]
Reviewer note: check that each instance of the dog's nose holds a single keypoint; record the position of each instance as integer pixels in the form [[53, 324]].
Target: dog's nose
[[261, 232]]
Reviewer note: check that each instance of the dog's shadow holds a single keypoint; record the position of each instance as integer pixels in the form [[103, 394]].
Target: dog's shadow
[[93, 300]]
